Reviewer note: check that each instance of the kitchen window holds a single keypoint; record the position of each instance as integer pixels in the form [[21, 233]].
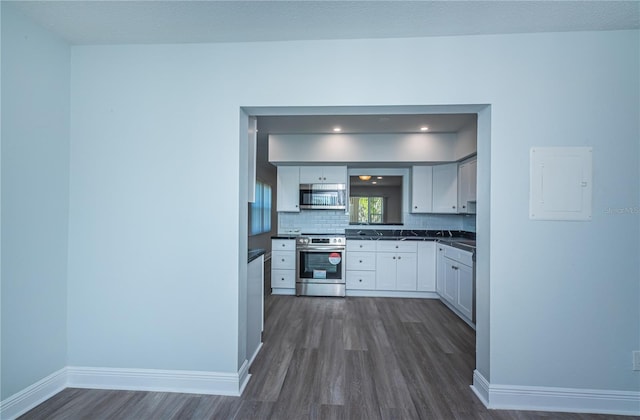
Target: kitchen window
[[260, 210], [366, 209]]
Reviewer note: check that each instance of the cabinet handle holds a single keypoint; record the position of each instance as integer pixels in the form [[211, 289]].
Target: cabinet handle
[[394, 257], [453, 207], [415, 207], [360, 246], [283, 245], [360, 261], [360, 280], [283, 260], [399, 258], [464, 207], [396, 246]]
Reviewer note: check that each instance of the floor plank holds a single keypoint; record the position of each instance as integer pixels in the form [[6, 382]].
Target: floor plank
[[329, 358]]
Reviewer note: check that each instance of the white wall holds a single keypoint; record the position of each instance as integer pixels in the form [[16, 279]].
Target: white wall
[[35, 171], [155, 227]]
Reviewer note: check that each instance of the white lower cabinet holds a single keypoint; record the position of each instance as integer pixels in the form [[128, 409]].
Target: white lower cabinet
[[361, 280], [426, 281], [464, 303], [403, 268], [396, 265], [283, 266], [455, 279], [361, 265]]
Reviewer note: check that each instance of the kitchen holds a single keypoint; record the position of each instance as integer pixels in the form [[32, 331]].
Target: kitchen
[[422, 245]]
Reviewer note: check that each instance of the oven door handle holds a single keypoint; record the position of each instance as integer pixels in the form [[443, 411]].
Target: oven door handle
[[321, 249]]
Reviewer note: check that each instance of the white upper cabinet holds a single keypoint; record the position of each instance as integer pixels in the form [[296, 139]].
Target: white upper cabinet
[[323, 175], [421, 189], [288, 189], [467, 179], [445, 188]]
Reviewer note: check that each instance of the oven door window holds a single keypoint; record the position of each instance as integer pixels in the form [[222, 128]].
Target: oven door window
[[320, 265]]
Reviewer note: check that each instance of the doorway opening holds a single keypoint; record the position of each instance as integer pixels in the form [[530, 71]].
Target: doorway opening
[[293, 119]]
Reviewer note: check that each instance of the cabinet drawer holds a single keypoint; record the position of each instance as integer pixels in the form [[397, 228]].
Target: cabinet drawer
[[463, 257], [361, 246], [397, 246], [283, 260], [361, 261], [361, 280], [283, 278], [283, 245]]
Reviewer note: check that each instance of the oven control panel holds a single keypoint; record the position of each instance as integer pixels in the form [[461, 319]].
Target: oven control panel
[[320, 240]]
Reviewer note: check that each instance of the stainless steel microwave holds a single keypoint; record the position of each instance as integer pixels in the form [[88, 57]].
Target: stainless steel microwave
[[323, 196]]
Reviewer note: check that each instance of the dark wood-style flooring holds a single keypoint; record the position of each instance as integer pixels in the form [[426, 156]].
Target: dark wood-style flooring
[[329, 358]]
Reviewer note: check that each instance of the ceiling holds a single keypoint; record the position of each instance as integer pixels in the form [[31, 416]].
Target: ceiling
[[396, 123], [188, 21]]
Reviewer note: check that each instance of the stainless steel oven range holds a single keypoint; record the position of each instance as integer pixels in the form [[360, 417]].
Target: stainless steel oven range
[[320, 268]]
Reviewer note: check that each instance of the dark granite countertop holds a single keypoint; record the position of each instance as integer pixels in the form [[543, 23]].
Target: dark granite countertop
[[456, 238], [255, 253]]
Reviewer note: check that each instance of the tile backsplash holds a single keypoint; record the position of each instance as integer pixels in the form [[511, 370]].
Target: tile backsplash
[[336, 221], [469, 223]]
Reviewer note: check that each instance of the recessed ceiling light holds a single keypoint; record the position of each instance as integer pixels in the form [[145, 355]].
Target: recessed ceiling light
[[373, 182], [424, 128], [379, 177], [337, 129]]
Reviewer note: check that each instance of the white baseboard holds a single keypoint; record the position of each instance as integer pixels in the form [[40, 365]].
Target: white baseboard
[[391, 293], [244, 376], [30, 397], [481, 387], [281, 291], [572, 400], [184, 381]]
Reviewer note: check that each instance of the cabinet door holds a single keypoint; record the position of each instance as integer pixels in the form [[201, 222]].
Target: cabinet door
[[288, 188], [421, 189], [473, 179], [450, 281], [361, 280], [464, 301], [406, 271], [445, 188], [311, 174], [334, 174], [283, 279], [283, 245], [426, 279], [386, 271], [283, 260], [361, 246], [441, 269], [467, 186], [361, 260]]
